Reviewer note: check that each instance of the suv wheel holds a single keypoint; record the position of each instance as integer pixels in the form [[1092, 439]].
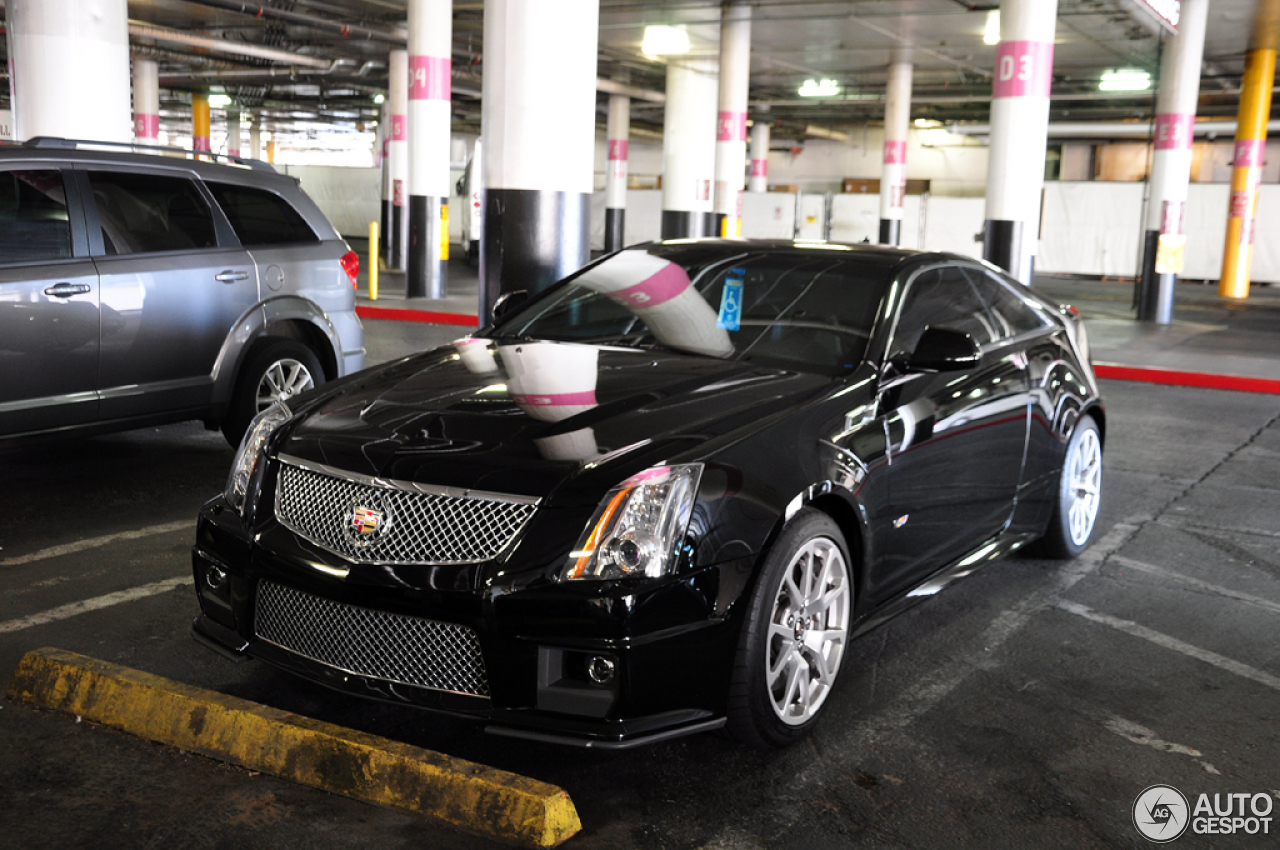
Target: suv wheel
[[276, 370]]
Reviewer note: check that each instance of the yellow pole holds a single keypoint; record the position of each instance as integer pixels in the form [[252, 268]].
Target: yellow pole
[[200, 122], [373, 261], [1251, 139]]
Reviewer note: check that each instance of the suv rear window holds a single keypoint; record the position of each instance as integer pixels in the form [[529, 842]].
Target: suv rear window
[[141, 213], [259, 217], [33, 217]]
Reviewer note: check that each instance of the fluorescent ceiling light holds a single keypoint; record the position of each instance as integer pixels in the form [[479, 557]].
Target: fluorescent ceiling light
[[379, 98], [991, 33], [662, 40], [219, 101], [1126, 79], [820, 88]]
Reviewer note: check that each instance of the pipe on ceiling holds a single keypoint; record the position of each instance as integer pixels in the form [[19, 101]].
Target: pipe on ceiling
[[252, 73], [310, 21], [1110, 129], [613, 87], [137, 29]]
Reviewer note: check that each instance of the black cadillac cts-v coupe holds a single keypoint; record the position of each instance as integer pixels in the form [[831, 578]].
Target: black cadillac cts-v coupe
[[663, 495]]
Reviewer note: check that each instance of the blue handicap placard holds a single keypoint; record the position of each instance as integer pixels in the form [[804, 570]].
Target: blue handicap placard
[[730, 318]]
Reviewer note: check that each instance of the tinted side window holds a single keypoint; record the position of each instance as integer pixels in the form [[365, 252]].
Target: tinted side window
[[260, 217], [33, 217], [141, 213], [941, 298], [1012, 314]]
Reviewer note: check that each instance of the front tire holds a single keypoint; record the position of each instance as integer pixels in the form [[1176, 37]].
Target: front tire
[[276, 370], [1079, 493], [794, 638]]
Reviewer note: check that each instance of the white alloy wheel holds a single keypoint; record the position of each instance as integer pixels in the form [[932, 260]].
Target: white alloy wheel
[[1083, 483], [284, 379], [808, 629]]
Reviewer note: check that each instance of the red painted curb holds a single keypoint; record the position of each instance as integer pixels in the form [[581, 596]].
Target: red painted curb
[[428, 316], [1175, 378]]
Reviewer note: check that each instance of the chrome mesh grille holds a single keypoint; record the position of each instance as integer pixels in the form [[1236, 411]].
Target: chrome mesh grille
[[416, 528], [393, 647]]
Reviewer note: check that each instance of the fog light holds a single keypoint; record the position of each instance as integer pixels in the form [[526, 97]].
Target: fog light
[[215, 577], [600, 669]]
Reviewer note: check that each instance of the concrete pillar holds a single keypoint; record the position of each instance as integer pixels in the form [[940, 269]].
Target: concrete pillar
[[271, 151], [430, 72], [1171, 164], [255, 138], [731, 129], [233, 130], [618, 133], [69, 68], [538, 122], [893, 169], [1019, 132], [398, 157], [1251, 143], [384, 142], [759, 157], [689, 148], [146, 101], [200, 122]]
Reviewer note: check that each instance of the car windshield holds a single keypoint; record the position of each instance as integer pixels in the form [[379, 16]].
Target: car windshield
[[805, 310]]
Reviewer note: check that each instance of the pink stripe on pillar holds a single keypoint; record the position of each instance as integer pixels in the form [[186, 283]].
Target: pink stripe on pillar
[[146, 126], [618, 149], [658, 288], [732, 127], [399, 129], [200, 143], [553, 399], [759, 168], [895, 153], [1023, 69], [430, 77], [1248, 153], [233, 151], [1174, 131]]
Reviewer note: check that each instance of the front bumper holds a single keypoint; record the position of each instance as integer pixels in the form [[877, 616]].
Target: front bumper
[[669, 644]]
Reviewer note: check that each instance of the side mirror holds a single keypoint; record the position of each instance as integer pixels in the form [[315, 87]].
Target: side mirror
[[944, 350], [508, 303]]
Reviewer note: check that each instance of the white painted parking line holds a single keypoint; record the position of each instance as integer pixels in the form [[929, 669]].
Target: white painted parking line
[[73, 609], [95, 542], [1138, 734], [1215, 589], [1161, 639]]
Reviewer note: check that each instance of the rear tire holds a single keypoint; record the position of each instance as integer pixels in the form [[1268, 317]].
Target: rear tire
[[794, 639], [275, 370], [1079, 493]]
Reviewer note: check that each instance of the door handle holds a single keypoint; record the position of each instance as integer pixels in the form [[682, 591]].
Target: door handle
[[228, 276], [66, 290]]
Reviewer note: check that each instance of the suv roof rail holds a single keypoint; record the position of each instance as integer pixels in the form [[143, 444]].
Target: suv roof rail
[[57, 142]]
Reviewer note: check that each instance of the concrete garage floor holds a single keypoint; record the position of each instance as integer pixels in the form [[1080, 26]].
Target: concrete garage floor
[[1027, 705]]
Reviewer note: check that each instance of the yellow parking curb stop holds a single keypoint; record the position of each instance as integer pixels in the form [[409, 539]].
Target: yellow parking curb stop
[[464, 794]]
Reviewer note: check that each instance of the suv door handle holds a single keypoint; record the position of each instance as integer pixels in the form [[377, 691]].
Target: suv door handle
[[229, 275], [66, 290]]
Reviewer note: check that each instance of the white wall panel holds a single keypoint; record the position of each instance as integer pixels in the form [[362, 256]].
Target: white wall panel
[[951, 224], [1091, 228], [768, 215]]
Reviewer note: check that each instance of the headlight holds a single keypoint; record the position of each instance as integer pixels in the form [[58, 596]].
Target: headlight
[[635, 530], [251, 449]]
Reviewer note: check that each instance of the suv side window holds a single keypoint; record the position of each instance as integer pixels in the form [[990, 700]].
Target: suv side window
[[143, 213], [33, 217], [1012, 314], [260, 217], [941, 298]]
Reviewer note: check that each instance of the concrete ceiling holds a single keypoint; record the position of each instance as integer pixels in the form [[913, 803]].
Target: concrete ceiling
[[847, 40]]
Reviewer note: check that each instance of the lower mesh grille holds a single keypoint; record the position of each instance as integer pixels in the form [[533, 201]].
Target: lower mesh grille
[[394, 647]]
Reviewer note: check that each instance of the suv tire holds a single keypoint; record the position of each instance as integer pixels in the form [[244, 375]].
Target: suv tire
[[275, 370]]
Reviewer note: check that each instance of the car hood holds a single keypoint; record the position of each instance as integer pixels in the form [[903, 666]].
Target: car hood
[[529, 418]]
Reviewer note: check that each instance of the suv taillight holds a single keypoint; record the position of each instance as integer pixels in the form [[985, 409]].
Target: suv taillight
[[351, 265]]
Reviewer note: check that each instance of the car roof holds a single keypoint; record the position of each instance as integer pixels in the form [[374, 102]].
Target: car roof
[[260, 174], [882, 258]]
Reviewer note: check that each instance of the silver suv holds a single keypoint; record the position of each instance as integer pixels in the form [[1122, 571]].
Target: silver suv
[[139, 288]]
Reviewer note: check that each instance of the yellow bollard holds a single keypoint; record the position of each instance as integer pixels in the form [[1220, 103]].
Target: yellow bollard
[[373, 261]]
